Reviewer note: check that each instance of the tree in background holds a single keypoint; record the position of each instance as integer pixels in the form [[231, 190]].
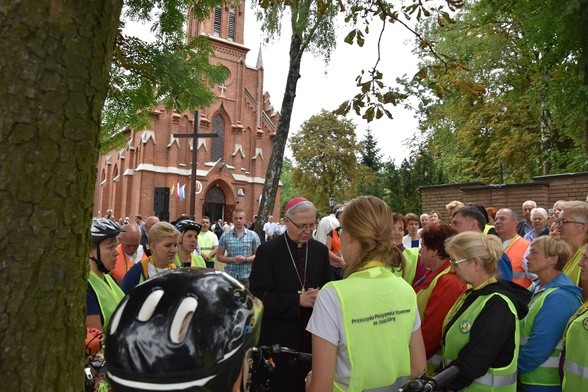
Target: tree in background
[[288, 190], [55, 58], [507, 94], [400, 185], [370, 160], [325, 153], [312, 30]]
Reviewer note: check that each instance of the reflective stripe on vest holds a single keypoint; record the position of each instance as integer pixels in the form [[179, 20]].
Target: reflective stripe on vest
[[399, 383], [576, 369], [576, 362], [458, 335], [546, 374]]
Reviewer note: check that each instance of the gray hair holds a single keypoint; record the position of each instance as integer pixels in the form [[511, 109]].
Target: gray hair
[[539, 211], [303, 206]]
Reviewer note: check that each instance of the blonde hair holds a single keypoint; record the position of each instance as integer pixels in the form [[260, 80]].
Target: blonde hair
[[554, 247], [369, 221], [473, 245], [162, 230]]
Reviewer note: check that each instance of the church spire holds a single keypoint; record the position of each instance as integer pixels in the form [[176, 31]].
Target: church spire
[[259, 59]]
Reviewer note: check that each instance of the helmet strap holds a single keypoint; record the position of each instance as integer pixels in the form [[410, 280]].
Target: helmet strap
[[101, 267]]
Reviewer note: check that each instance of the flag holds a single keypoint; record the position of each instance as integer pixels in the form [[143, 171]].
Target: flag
[[173, 189], [178, 190], [182, 192]]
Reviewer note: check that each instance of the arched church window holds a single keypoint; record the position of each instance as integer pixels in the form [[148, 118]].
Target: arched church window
[[232, 23], [217, 20], [217, 150]]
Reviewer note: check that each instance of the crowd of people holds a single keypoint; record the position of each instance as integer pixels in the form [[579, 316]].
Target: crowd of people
[[376, 296]]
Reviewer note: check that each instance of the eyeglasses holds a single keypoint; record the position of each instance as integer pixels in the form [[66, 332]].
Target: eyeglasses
[[456, 262], [305, 227], [561, 222]]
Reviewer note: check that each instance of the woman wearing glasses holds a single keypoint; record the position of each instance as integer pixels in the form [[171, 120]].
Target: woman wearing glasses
[[481, 331], [366, 328], [573, 228]]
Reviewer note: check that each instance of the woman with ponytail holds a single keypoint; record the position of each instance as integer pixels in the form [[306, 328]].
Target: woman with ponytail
[[366, 328], [481, 334]]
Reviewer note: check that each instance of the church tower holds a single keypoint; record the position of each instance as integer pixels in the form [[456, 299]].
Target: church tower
[[231, 168]]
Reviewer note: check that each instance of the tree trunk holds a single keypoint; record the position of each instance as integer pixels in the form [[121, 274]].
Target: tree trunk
[[54, 61], [274, 169]]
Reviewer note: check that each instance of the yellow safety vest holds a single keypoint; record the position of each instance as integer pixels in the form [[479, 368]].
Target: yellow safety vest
[[379, 311], [109, 295], [575, 368], [458, 335]]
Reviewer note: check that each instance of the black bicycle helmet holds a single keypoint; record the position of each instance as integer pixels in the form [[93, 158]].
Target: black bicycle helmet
[[185, 330], [103, 228], [187, 224]]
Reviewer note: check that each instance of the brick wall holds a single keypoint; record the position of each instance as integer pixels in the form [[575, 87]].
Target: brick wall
[[545, 190]]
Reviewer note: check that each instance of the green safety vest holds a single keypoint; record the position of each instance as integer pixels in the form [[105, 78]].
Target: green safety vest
[[575, 368], [379, 311], [458, 335], [206, 243], [195, 261], [109, 295], [411, 258], [487, 228], [422, 299], [548, 372]]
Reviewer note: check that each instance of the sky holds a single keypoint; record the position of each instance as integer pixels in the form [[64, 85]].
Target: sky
[[326, 86]]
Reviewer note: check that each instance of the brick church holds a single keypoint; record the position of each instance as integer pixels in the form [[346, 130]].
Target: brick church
[[231, 167]]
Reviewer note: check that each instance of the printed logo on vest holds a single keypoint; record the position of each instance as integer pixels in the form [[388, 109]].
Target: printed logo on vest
[[465, 326], [585, 323]]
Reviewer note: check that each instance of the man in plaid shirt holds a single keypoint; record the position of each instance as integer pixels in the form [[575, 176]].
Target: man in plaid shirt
[[236, 248]]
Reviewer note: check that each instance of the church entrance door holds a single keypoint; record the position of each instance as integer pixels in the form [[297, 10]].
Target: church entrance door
[[214, 204]]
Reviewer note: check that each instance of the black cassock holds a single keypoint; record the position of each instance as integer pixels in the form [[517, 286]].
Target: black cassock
[[277, 276]]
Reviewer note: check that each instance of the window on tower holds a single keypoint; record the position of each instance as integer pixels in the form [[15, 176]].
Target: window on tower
[[217, 20], [232, 23]]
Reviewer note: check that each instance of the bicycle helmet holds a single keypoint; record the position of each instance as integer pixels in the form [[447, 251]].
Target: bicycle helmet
[[187, 224], [103, 228], [186, 330]]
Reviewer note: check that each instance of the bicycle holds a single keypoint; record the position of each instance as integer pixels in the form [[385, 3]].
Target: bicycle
[[262, 365], [436, 383], [94, 368]]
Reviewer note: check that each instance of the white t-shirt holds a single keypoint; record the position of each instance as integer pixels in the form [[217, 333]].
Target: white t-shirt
[[326, 322]]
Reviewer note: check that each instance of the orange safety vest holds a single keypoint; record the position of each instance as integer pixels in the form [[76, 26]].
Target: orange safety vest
[[123, 264], [515, 250]]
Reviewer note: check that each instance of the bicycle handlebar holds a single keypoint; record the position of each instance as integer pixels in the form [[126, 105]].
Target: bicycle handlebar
[[432, 384], [268, 351]]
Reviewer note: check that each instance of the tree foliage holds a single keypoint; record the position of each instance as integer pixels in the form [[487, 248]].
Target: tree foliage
[[400, 185], [172, 69], [312, 30], [507, 95], [325, 153]]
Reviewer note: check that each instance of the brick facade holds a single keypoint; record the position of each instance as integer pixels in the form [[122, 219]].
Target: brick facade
[[545, 190], [230, 168]]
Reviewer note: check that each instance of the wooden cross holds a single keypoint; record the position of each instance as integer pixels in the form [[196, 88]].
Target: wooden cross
[[195, 135], [222, 88]]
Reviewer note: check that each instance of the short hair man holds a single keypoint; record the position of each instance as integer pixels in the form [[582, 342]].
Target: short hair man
[[130, 251], [287, 275], [149, 222], [513, 244], [236, 248], [270, 228], [208, 242], [557, 207], [471, 219], [573, 227], [526, 225]]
